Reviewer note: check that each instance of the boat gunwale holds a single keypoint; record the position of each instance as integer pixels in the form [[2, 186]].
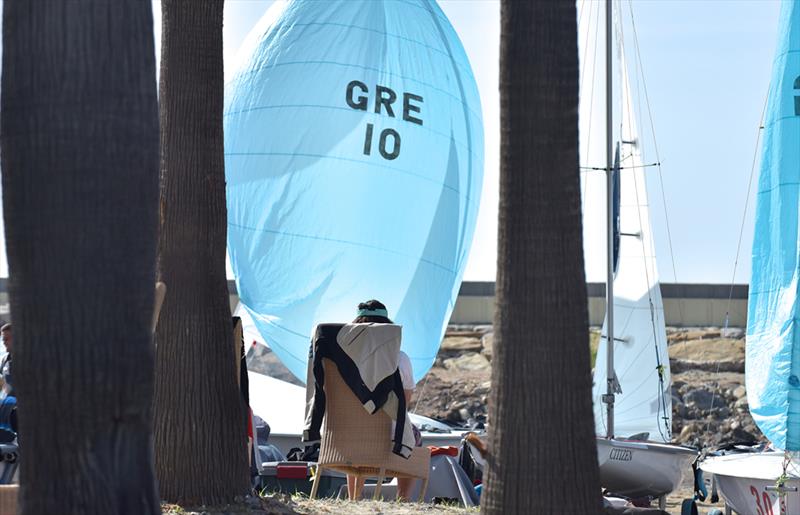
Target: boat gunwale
[[711, 465], [668, 448]]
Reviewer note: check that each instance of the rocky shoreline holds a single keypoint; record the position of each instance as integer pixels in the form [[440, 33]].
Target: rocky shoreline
[[709, 400]]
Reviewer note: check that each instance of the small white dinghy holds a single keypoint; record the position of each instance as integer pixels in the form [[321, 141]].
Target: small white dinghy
[[632, 411], [748, 482], [642, 469]]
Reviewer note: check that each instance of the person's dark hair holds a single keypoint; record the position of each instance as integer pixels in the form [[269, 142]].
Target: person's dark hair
[[371, 305]]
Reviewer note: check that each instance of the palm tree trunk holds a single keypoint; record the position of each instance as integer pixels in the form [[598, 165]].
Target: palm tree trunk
[[200, 431], [80, 194], [543, 454]]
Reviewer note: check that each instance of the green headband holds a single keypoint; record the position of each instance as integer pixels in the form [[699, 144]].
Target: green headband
[[373, 313]]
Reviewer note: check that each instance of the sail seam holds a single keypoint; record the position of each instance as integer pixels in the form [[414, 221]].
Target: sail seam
[[338, 158], [441, 16], [345, 242], [375, 31]]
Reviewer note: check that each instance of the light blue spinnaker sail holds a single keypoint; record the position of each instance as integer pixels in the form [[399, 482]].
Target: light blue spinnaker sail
[[773, 333], [354, 163]]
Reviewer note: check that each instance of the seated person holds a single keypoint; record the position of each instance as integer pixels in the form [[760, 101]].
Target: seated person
[[374, 311]]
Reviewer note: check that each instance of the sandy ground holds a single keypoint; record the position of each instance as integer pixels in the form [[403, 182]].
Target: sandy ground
[[675, 499]]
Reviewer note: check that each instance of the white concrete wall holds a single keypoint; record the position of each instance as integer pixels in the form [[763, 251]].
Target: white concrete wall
[[677, 312], [470, 310]]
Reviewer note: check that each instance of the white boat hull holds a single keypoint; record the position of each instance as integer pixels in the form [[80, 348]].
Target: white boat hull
[[746, 482], [642, 469]]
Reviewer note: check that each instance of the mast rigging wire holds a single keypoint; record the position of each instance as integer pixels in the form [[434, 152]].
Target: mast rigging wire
[[655, 147], [741, 232]]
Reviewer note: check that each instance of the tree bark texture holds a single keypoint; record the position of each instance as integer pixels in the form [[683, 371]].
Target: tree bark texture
[[79, 138], [542, 443], [200, 420]]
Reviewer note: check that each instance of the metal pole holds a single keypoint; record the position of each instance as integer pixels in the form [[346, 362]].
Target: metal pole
[[609, 399]]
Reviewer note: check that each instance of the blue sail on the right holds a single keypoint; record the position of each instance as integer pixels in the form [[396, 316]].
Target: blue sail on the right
[[773, 332]]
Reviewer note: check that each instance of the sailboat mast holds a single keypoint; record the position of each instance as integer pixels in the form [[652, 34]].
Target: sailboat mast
[[610, 376]]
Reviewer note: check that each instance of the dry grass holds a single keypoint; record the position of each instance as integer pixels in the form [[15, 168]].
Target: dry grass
[[307, 506], [251, 505], [716, 349], [285, 505]]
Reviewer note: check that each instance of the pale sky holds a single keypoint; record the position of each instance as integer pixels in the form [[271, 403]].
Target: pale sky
[[706, 65]]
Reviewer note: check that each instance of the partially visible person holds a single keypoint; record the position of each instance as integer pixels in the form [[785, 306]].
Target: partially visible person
[[5, 336], [5, 363], [373, 311], [8, 404]]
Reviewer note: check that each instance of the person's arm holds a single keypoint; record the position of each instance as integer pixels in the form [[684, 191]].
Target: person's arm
[[407, 376]]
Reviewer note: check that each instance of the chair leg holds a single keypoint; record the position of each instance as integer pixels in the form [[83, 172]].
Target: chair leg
[[377, 494], [423, 490], [315, 486], [358, 489]]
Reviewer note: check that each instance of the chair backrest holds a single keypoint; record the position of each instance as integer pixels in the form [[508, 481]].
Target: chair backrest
[[359, 443], [348, 426]]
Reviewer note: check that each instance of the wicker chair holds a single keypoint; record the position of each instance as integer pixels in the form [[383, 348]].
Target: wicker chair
[[8, 499], [357, 443]]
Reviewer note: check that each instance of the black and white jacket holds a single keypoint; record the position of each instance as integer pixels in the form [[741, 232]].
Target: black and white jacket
[[367, 357]]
